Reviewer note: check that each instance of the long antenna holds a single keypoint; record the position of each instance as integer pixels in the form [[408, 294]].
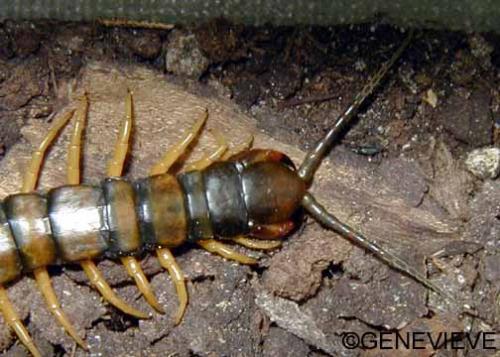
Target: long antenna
[[316, 155], [313, 160], [330, 221]]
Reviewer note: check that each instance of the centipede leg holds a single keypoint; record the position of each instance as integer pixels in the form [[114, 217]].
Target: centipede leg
[[115, 169], [208, 159], [15, 323], [115, 165], [75, 146], [168, 262], [98, 281], [135, 271], [224, 251], [257, 244], [239, 149], [43, 280], [41, 275], [73, 178], [175, 152], [165, 257], [31, 177]]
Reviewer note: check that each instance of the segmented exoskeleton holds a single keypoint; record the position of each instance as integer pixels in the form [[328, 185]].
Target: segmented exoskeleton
[[224, 195]]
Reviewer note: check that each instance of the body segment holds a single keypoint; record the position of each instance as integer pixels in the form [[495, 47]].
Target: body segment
[[28, 220], [78, 222], [10, 261], [160, 207], [122, 219]]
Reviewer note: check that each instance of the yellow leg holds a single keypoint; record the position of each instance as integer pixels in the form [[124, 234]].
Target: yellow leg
[[223, 250], [245, 146], [99, 282], [29, 184], [73, 175], [75, 146], [208, 159], [173, 154], [257, 244], [115, 168], [15, 323], [165, 257], [168, 262], [31, 177], [135, 271], [43, 280], [115, 165]]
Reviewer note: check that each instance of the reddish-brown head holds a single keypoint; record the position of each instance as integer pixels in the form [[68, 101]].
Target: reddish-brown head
[[273, 192]]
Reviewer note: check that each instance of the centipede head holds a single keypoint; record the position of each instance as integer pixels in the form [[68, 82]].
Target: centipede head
[[273, 192]]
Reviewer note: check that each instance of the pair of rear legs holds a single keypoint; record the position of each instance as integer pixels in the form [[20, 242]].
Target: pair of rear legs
[[115, 168]]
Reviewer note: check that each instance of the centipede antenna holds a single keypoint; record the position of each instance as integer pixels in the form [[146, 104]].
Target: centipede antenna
[[315, 156], [330, 221]]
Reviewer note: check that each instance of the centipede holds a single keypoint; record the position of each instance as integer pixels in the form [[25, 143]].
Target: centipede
[[243, 195]]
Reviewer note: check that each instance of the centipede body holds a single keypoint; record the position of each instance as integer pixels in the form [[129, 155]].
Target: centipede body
[[140, 171]]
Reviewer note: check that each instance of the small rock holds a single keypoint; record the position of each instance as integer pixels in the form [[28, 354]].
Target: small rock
[[431, 98], [184, 56], [484, 163]]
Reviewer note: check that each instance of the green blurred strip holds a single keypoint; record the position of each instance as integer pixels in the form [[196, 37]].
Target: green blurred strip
[[468, 15]]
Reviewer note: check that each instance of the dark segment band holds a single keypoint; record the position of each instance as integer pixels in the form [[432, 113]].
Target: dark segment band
[[123, 225], [161, 211], [199, 225], [225, 199]]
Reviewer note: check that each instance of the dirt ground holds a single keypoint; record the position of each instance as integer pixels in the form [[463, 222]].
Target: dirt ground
[[399, 175]]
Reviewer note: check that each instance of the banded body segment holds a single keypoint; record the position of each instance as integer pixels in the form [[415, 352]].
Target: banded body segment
[[161, 211], [29, 222], [123, 223], [78, 221], [199, 224], [225, 198], [10, 261]]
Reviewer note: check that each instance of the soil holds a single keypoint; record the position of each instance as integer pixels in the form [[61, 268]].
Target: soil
[[409, 144]]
